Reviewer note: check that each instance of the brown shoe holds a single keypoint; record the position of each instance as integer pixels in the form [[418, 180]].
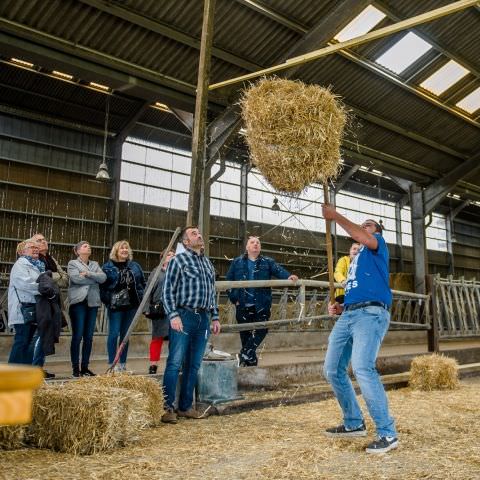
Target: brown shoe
[[169, 417], [192, 413]]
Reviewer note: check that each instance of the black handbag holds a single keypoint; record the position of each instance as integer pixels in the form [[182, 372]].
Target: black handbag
[[29, 310], [120, 299], [155, 311]]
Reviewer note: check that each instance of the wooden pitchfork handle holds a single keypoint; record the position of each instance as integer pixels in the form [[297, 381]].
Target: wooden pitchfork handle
[[328, 238]]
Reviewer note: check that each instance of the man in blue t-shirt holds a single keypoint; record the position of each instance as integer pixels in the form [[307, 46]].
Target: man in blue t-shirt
[[358, 335]]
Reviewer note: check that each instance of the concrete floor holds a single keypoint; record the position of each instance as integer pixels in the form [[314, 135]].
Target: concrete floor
[[62, 367]]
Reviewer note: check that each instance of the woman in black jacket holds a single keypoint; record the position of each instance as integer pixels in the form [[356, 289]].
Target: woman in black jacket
[[155, 312], [121, 293]]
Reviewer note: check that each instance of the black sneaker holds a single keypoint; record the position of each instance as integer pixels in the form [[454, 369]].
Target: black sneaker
[[76, 372], [48, 375], [152, 370], [342, 432], [382, 445], [85, 372]]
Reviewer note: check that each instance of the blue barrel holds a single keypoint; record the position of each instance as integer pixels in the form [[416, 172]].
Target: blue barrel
[[217, 381]]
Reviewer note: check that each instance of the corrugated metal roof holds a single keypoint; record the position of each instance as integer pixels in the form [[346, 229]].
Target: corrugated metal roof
[[242, 37]]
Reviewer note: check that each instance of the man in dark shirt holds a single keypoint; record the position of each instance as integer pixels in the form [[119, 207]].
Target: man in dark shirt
[[189, 300], [253, 304], [358, 335]]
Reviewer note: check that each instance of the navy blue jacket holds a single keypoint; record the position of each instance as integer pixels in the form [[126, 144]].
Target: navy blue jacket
[[113, 275], [265, 268]]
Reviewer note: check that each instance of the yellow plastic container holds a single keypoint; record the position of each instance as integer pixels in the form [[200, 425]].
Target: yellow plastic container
[[17, 383]]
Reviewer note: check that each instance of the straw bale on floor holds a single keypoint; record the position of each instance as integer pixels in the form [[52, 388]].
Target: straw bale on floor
[[149, 387], [433, 372], [11, 436], [294, 132], [81, 420], [437, 434]]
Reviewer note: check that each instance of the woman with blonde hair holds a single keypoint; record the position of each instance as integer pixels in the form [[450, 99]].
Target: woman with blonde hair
[[121, 293]]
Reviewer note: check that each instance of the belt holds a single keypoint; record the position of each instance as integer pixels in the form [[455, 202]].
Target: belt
[[356, 306], [194, 310]]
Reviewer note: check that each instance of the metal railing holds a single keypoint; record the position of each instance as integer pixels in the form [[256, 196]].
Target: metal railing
[[456, 307], [409, 311], [298, 305]]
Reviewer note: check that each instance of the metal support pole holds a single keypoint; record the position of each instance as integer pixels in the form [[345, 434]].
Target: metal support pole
[[418, 233], [199, 140], [398, 228], [449, 228], [204, 222], [117, 168], [433, 334], [243, 202]]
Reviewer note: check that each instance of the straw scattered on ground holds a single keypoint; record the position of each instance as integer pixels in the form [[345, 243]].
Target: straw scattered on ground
[[294, 132], [11, 436], [437, 432], [434, 372], [149, 387]]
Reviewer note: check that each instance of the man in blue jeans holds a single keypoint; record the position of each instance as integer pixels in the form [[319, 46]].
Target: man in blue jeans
[[358, 334], [253, 304], [189, 300]]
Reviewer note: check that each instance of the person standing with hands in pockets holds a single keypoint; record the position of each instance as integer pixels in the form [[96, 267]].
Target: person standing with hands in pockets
[[189, 300], [358, 334]]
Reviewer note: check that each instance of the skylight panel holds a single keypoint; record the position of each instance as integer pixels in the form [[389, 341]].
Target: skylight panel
[[444, 77], [404, 53], [361, 24], [471, 103]]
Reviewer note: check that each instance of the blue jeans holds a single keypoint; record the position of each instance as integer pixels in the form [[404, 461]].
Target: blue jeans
[[118, 323], [251, 339], [22, 348], [357, 335], [84, 319], [185, 349]]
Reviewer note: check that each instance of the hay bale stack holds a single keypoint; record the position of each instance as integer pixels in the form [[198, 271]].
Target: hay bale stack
[[149, 387], [294, 132], [75, 419], [11, 436], [433, 372], [402, 281]]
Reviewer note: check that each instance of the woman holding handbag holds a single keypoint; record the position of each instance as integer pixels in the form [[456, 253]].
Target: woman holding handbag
[[121, 293], [84, 298], [155, 312], [22, 289]]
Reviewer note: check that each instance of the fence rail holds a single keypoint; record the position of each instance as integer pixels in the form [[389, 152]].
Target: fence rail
[[457, 305], [300, 305]]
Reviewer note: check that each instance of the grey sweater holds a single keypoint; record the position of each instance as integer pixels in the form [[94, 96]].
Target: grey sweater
[[85, 287]]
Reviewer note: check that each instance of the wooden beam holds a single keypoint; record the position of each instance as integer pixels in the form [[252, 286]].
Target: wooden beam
[[199, 140], [376, 34]]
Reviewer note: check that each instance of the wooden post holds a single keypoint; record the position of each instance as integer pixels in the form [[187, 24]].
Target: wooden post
[[328, 238], [199, 140], [432, 334]]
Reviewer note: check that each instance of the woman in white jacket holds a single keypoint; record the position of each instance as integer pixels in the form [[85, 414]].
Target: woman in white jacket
[[84, 297], [22, 289]]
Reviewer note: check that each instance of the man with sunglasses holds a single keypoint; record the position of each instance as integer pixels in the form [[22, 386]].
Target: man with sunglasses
[[358, 335]]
